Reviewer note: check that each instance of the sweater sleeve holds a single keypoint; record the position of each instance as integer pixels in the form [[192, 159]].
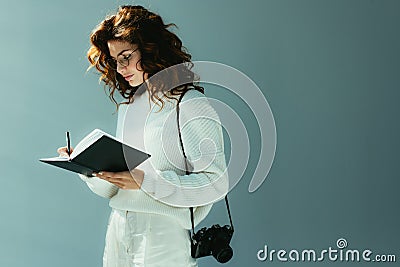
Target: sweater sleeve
[[99, 186], [202, 139]]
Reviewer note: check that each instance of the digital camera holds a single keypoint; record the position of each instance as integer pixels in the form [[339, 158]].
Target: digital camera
[[213, 241]]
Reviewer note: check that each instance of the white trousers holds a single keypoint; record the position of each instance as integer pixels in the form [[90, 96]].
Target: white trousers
[[144, 239]]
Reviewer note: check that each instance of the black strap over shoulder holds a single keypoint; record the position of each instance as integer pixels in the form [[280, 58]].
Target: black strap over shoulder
[[186, 167]]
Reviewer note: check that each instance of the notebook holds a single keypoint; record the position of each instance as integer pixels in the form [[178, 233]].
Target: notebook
[[99, 151]]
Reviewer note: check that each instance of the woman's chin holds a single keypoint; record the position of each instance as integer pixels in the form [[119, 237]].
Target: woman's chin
[[134, 83]]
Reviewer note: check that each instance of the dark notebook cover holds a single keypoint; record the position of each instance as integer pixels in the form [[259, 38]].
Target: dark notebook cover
[[105, 154]]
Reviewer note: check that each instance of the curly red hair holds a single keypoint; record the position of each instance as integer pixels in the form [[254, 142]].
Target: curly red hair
[[159, 48]]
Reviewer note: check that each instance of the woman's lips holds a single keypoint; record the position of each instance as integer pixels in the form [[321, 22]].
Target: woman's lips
[[128, 77]]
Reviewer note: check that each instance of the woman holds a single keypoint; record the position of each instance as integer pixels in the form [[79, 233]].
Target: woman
[[148, 226]]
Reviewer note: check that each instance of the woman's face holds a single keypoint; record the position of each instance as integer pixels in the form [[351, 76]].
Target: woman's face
[[125, 52]]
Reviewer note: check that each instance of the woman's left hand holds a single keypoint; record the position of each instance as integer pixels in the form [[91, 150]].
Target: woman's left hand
[[125, 180]]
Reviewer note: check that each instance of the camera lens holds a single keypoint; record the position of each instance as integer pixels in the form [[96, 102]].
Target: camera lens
[[224, 254]]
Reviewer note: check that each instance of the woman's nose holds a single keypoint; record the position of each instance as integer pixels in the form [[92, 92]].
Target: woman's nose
[[120, 68]]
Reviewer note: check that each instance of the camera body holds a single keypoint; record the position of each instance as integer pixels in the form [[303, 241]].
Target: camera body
[[213, 241]]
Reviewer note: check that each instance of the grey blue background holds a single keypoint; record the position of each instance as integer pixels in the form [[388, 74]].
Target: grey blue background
[[330, 72]]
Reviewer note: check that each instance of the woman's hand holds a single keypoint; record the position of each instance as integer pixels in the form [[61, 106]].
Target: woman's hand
[[124, 180], [63, 151]]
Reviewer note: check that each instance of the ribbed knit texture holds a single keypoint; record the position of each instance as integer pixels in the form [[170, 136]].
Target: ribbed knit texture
[[166, 188]]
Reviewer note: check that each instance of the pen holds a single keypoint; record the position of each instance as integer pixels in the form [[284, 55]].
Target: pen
[[68, 145]]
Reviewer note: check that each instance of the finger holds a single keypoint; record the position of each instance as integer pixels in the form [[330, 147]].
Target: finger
[[125, 175], [105, 176], [116, 181], [121, 182], [63, 154], [61, 150]]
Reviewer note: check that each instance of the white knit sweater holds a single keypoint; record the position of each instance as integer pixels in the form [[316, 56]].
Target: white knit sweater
[[143, 126]]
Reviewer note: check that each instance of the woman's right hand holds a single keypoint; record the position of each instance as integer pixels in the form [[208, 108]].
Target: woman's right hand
[[63, 151]]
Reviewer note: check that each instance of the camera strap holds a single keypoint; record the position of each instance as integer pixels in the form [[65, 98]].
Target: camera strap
[[187, 169]]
